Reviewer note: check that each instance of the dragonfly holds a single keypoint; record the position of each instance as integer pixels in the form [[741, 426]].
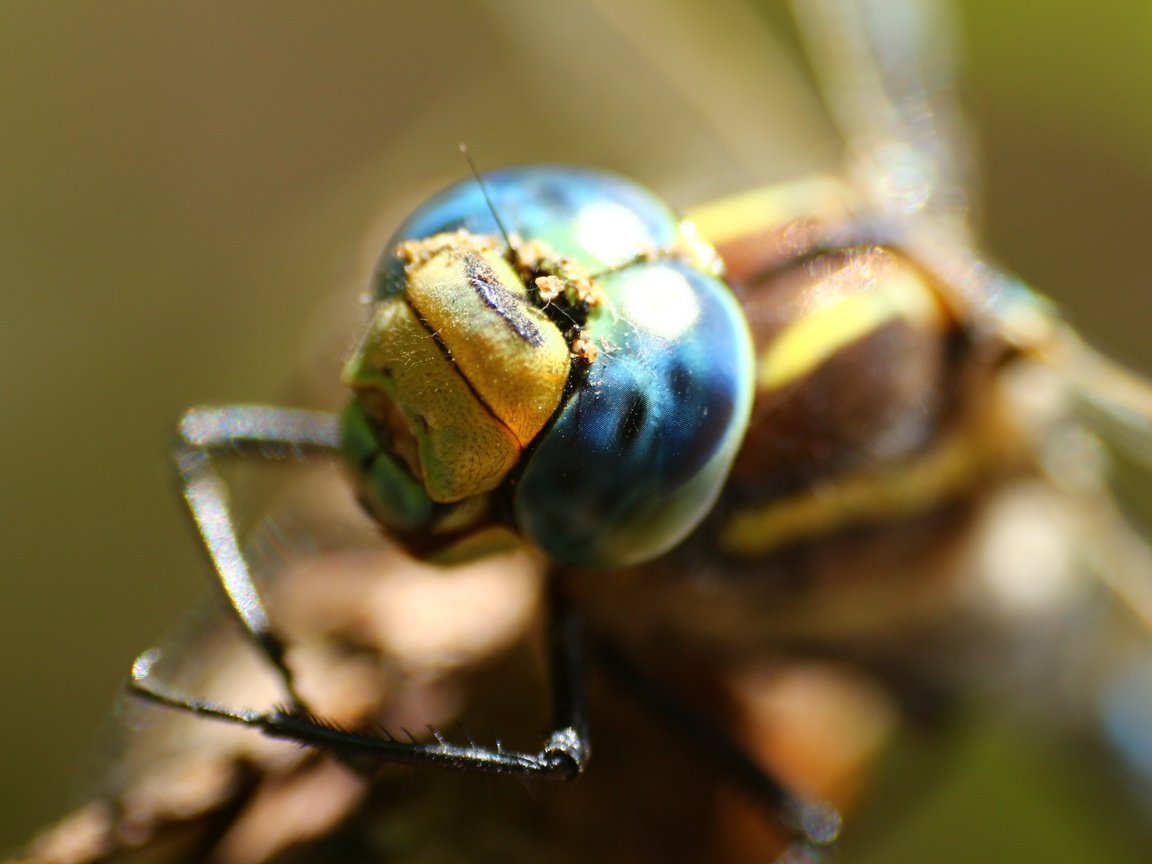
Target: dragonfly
[[1017, 323]]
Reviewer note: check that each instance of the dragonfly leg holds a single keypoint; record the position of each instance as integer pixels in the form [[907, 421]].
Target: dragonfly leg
[[811, 824], [563, 755], [243, 431]]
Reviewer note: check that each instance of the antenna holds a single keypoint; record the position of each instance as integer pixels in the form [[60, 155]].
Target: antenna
[[487, 198]]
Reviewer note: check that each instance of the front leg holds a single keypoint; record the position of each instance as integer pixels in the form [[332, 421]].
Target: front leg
[[244, 431], [562, 756]]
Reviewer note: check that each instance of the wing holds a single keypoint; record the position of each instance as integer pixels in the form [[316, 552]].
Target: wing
[[887, 72], [886, 69]]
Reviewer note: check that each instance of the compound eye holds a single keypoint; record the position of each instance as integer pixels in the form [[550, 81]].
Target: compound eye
[[641, 449]]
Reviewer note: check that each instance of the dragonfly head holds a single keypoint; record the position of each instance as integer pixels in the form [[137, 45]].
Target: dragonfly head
[[579, 388]]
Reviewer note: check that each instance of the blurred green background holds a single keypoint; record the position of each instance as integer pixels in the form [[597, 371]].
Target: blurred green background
[[184, 186]]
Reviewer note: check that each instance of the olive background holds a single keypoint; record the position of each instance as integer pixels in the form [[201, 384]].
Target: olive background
[[191, 196]]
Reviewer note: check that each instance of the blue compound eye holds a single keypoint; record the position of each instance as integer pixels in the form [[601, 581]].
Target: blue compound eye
[[585, 387], [640, 450], [599, 220]]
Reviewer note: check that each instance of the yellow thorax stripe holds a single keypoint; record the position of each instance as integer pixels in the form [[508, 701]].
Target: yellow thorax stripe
[[769, 208], [954, 464], [815, 337]]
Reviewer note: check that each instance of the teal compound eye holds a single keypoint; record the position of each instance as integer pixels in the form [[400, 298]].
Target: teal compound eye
[[582, 384]]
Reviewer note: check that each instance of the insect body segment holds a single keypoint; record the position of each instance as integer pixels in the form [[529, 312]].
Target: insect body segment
[[584, 383], [875, 395], [863, 378]]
